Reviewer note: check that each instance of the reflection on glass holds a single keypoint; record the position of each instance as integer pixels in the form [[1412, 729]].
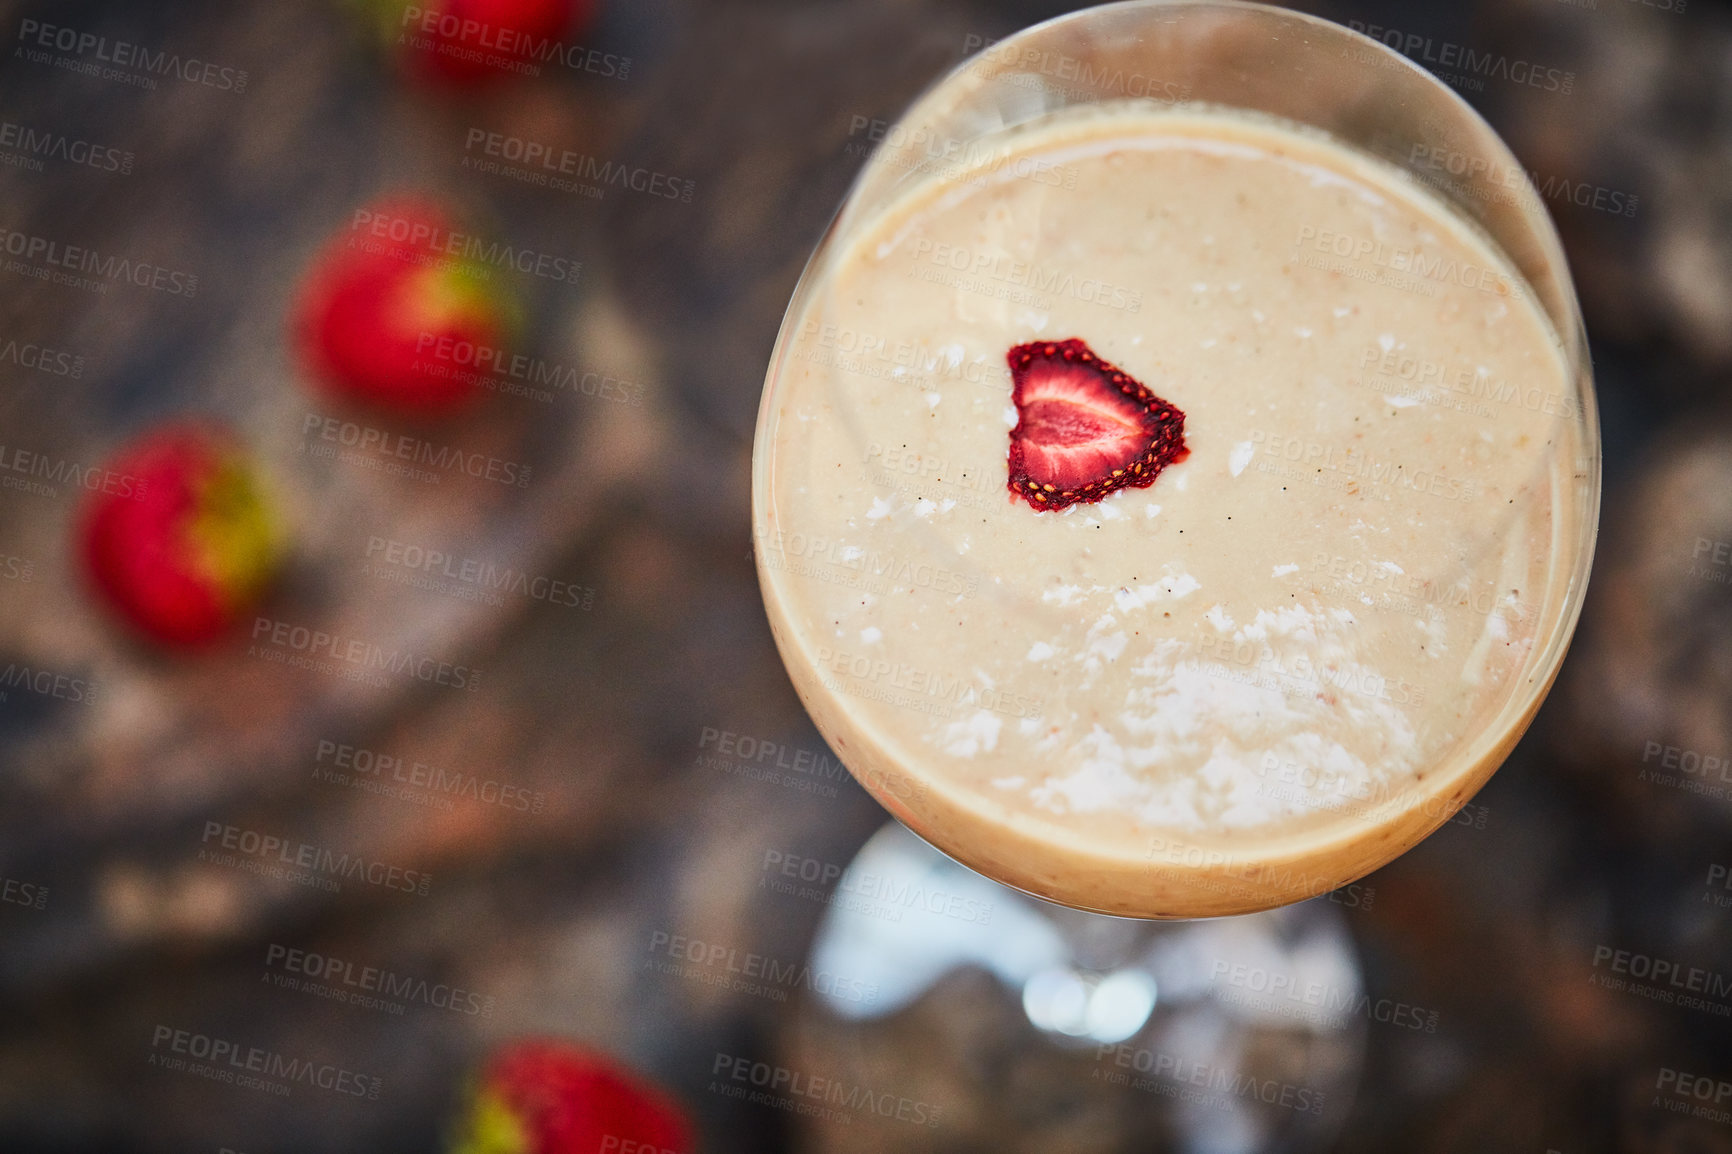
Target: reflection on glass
[[1020, 1020]]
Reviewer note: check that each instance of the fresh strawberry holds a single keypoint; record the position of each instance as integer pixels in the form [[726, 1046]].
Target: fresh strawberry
[[1084, 427], [461, 43], [548, 1097], [180, 538], [386, 296]]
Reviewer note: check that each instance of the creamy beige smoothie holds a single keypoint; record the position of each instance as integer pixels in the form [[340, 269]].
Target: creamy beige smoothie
[[1298, 650]]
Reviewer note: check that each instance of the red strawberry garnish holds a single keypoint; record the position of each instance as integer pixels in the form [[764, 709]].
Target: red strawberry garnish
[[549, 1097], [384, 296], [1084, 427], [182, 542]]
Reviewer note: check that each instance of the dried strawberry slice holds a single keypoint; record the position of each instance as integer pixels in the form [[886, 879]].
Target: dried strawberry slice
[[1085, 428]]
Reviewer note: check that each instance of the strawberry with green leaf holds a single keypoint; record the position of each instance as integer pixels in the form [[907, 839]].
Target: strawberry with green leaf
[[540, 1096], [391, 305], [180, 538]]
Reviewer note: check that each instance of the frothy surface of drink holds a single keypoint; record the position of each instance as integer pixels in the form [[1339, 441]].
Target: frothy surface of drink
[[1306, 643]]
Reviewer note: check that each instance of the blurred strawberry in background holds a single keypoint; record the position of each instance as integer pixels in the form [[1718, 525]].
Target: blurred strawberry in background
[[462, 43], [180, 538], [542, 1096], [387, 302]]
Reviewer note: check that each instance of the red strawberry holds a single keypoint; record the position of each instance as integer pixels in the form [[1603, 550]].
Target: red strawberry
[[466, 42], [385, 296], [1084, 427], [549, 1097], [183, 542]]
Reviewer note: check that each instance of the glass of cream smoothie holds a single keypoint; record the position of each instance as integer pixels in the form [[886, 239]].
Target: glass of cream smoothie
[[1177, 474]]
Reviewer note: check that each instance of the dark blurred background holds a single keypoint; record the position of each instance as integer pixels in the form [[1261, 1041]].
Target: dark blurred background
[[1601, 835]]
